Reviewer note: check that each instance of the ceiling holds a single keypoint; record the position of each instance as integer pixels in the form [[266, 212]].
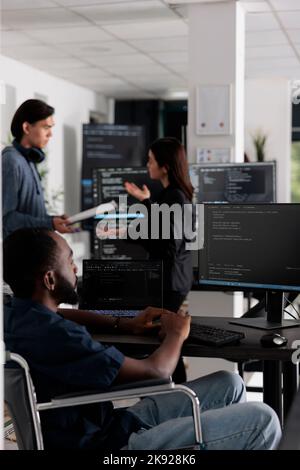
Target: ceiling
[[138, 48]]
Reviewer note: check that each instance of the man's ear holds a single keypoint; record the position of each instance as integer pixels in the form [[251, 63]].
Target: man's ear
[[26, 128], [49, 280]]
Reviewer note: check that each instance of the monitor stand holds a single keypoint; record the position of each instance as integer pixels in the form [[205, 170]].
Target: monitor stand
[[274, 318]]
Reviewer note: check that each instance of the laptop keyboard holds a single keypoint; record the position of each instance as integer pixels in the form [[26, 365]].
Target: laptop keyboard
[[212, 336], [118, 313]]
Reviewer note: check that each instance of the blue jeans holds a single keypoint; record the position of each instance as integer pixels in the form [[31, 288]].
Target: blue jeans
[[227, 421]]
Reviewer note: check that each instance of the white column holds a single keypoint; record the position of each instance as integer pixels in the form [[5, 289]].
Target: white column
[[216, 57], [268, 108]]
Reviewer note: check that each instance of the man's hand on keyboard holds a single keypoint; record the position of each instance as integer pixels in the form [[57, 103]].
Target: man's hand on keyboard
[[146, 321], [177, 324]]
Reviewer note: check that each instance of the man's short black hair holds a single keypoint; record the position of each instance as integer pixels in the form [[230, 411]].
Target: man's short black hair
[[28, 254], [30, 111]]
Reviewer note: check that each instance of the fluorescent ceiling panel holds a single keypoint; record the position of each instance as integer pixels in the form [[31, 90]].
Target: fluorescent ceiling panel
[[279, 63], [124, 60], [158, 78], [159, 81], [183, 2], [136, 70], [265, 38], [44, 17], [271, 51], [128, 94], [56, 64], [157, 29], [179, 68], [261, 21], [26, 4], [87, 2], [111, 83], [256, 6], [129, 11], [170, 57], [98, 48], [290, 19], [32, 52], [84, 72], [70, 35], [292, 73], [285, 5], [15, 38], [157, 45], [294, 35], [88, 82]]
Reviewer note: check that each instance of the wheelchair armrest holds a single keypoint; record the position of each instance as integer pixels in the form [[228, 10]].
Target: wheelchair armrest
[[116, 388], [124, 391], [142, 383]]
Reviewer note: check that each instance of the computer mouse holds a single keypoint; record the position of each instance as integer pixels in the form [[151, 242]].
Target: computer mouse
[[272, 340]]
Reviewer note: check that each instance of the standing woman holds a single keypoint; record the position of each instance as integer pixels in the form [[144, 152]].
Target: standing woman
[[167, 162]]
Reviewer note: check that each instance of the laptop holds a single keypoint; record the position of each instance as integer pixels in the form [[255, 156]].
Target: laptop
[[121, 287]]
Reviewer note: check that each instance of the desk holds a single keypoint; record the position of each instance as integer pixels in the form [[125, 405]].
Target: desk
[[280, 375]]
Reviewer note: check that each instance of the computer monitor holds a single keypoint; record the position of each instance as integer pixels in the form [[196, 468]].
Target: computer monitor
[[234, 183], [252, 246], [121, 284], [108, 183], [108, 145]]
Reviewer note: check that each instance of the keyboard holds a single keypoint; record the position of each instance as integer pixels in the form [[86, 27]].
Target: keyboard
[[118, 313], [212, 336]]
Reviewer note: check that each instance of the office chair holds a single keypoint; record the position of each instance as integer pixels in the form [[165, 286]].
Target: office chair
[[25, 411]]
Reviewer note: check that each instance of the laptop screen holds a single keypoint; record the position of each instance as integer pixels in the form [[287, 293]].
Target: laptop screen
[[121, 284]]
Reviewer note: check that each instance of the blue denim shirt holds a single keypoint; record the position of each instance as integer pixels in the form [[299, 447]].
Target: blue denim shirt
[[63, 358], [22, 194]]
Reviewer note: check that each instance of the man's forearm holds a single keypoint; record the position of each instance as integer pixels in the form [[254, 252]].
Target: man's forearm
[[95, 320], [164, 360], [161, 363]]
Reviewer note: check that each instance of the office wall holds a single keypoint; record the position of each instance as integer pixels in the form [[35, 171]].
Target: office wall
[[72, 106], [268, 107]]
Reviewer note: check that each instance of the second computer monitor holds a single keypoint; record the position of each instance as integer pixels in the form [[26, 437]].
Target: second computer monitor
[[234, 183], [248, 246]]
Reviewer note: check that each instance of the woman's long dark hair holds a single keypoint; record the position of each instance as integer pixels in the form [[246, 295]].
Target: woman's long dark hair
[[169, 152]]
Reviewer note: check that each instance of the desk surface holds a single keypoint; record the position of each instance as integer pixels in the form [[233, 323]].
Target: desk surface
[[248, 348]]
